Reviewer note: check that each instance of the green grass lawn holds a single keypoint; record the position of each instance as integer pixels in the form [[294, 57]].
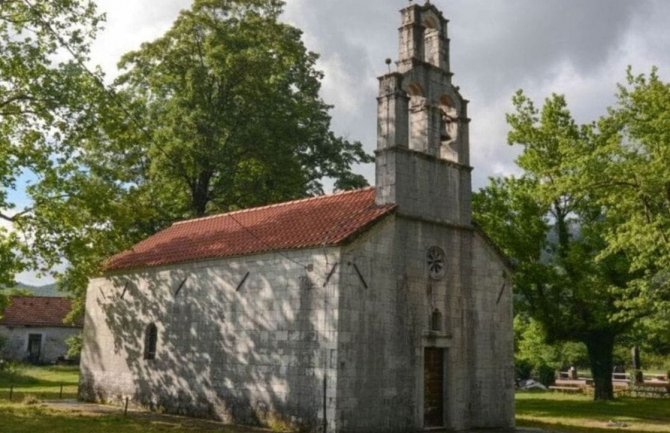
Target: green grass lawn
[[40, 382], [22, 418], [578, 413], [553, 412], [27, 412]]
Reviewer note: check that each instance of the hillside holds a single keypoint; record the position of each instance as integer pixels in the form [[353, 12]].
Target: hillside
[[46, 290]]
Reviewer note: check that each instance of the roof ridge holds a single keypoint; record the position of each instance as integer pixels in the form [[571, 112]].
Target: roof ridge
[[275, 205], [38, 297]]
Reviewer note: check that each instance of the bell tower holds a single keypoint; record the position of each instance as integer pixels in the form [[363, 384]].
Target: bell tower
[[422, 126]]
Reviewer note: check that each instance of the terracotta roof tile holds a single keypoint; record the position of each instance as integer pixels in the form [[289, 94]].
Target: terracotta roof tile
[[36, 311], [325, 220]]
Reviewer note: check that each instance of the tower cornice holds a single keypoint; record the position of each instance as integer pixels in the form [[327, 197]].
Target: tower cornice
[[425, 156]]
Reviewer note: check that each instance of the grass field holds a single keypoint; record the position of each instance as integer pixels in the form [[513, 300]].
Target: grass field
[[28, 411], [551, 411], [22, 418], [40, 382], [578, 413]]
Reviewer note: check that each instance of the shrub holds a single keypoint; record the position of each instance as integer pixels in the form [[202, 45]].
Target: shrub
[[544, 374], [74, 346]]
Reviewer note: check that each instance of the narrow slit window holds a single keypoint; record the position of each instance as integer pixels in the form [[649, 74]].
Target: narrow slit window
[[436, 321], [150, 341]]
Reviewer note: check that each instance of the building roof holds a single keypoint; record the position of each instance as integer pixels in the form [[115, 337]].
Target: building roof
[[319, 221], [37, 311]]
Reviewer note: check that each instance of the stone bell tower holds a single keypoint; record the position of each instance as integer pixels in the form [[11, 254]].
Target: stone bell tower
[[422, 132]]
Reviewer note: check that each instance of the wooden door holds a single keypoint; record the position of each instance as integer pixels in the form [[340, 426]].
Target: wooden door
[[433, 387]]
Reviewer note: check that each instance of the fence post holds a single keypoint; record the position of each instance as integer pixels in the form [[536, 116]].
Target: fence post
[[60, 395], [125, 408], [11, 392]]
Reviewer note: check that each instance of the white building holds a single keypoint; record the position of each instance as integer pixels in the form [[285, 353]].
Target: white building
[[33, 329]]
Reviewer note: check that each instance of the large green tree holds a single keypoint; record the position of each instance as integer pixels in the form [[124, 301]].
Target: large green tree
[[628, 172], [43, 90], [232, 110], [565, 280], [628, 175], [222, 112]]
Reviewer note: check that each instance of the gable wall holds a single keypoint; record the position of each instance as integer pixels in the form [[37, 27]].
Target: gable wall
[[257, 355], [385, 327], [493, 382]]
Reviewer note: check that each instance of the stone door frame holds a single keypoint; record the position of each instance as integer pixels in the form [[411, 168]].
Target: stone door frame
[[437, 340]]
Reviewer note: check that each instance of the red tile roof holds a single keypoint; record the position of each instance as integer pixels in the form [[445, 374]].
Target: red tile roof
[[36, 311], [318, 221]]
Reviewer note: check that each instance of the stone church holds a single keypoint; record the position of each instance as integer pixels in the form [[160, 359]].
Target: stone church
[[383, 309]]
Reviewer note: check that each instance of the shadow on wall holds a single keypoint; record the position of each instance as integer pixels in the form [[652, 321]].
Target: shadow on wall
[[253, 354]]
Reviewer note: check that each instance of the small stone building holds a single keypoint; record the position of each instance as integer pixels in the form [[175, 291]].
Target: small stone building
[[34, 330], [381, 309]]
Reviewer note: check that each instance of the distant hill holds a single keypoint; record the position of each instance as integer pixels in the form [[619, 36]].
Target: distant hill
[[46, 290]]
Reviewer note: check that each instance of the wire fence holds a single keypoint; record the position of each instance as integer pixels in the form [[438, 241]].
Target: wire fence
[[19, 392]]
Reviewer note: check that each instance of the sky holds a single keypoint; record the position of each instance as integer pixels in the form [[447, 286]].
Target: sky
[[579, 48]]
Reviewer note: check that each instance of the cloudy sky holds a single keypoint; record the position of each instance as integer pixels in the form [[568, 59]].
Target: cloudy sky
[[579, 48]]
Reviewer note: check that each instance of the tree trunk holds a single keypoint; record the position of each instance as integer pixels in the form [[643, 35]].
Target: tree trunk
[[200, 194], [600, 346]]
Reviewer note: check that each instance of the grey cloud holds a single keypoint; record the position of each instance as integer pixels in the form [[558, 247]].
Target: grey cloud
[[514, 40], [497, 46]]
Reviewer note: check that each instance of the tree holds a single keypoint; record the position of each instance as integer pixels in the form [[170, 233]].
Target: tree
[[628, 174], [565, 280], [220, 113], [232, 110], [534, 357], [41, 96]]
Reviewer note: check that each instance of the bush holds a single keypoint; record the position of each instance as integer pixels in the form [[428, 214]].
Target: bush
[[3, 342], [74, 346], [8, 367], [523, 369], [544, 374], [535, 358]]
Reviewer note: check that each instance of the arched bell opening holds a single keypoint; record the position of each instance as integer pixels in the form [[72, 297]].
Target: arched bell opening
[[449, 129], [431, 41], [417, 118]]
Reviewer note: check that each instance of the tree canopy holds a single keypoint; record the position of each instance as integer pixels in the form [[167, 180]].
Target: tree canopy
[[559, 221], [222, 112], [231, 104], [43, 90]]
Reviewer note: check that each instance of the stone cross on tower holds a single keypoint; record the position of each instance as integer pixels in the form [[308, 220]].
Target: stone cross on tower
[[422, 135]]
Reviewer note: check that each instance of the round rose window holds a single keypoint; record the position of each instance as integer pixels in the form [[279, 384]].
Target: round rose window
[[436, 263]]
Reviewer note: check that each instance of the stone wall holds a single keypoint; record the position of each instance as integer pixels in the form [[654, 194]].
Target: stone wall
[[386, 305], [424, 186], [245, 339], [493, 383], [255, 348]]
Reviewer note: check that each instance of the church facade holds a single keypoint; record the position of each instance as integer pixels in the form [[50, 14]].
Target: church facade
[[378, 310]]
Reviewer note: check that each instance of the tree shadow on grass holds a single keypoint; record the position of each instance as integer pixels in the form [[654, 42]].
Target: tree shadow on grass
[[30, 419], [24, 377], [24, 380], [557, 427], [647, 410]]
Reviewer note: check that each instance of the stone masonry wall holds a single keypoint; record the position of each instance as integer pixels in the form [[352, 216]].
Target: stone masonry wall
[[493, 384], [386, 304], [245, 339], [423, 186]]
